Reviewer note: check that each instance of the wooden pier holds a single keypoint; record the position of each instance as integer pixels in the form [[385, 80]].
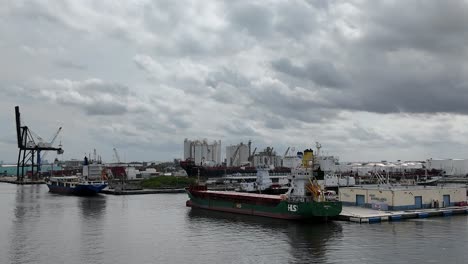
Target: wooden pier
[[13, 180], [367, 215]]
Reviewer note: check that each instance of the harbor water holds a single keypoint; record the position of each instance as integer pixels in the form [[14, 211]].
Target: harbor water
[[39, 227]]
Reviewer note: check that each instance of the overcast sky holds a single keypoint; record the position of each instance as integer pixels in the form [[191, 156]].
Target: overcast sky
[[370, 80]]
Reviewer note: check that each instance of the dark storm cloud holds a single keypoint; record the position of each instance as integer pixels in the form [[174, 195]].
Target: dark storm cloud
[[70, 65], [434, 26], [323, 73], [274, 123], [418, 64], [362, 133], [321, 4], [229, 86], [409, 58], [104, 108], [257, 20], [229, 76], [239, 68], [99, 88], [296, 19], [270, 100], [240, 128], [35, 12], [93, 96]]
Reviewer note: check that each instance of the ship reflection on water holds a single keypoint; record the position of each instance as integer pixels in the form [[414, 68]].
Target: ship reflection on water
[[92, 228], [305, 241], [92, 208]]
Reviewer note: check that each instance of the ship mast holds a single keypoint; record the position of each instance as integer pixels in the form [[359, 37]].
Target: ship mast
[[318, 146]]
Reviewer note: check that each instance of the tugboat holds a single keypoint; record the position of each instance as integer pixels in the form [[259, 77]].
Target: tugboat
[[82, 185], [304, 200]]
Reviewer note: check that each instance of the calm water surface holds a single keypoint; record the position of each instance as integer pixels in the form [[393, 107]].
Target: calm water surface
[[39, 227]]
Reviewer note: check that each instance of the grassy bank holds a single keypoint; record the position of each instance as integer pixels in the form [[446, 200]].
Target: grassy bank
[[167, 182]]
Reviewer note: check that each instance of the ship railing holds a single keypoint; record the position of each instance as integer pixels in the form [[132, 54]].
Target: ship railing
[[198, 188], [95, 182], [300, 199]]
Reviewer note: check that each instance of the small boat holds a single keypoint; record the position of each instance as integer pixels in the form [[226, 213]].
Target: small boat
[[75, 185], [429, 181]]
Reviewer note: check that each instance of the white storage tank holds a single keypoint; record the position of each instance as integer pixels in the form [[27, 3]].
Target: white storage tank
[[237, 155], [203, 152]]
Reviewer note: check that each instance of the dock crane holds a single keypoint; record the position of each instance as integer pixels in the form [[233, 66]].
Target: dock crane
[[51, 143], [29, 146]]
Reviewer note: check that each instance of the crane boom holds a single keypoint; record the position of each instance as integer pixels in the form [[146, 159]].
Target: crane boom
[[52, 141], [55, 136], [286, 152], [117, 155], [234, 158]]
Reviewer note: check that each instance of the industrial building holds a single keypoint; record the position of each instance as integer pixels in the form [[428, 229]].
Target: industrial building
[[237, 155], [453, 167], [202, 152], [402, 197], [267, 157]]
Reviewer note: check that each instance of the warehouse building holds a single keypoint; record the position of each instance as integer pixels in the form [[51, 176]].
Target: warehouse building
[[402, 197]]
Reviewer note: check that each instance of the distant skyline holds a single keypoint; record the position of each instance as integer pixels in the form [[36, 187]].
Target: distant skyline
[[369, 80]]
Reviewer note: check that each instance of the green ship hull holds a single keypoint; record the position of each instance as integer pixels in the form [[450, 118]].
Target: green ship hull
[[263, 205]]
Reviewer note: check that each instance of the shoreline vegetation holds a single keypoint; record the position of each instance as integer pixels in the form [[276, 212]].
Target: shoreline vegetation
[[162, 182]]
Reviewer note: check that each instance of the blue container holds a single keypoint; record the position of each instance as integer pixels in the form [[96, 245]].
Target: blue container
[[447, 213], [374, 220], [395, 217], [423, 215]]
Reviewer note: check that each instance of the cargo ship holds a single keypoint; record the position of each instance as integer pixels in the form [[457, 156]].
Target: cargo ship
[[200, 161], [91, 181], [304, 200], [75, 185]]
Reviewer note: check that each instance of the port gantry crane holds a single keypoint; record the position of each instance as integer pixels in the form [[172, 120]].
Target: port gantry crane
[[28, 148], [39, 158]]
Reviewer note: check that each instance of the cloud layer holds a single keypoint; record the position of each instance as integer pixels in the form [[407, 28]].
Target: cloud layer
[[147, 74]]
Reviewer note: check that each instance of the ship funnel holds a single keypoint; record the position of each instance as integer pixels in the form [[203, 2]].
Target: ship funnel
[[308, 158]]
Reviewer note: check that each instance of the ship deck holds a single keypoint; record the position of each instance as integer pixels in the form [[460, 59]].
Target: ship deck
[[246, 195]]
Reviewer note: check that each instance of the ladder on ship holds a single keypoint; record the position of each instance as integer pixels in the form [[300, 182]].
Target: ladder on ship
[[379, 178]]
